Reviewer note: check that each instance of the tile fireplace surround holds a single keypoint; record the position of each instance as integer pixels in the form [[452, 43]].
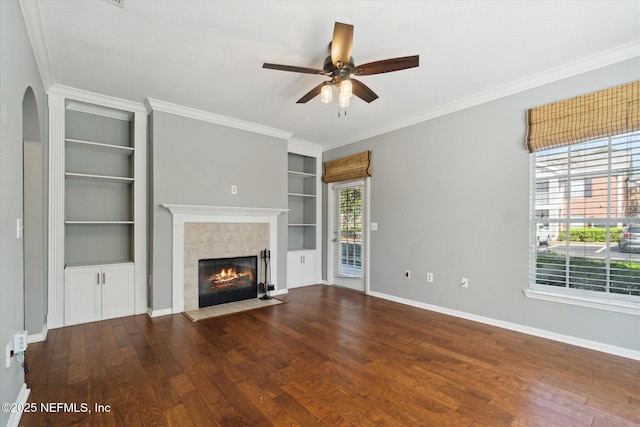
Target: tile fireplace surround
[[201, 232]]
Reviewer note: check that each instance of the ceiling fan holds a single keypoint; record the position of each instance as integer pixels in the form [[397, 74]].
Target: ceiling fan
[[340, 67]]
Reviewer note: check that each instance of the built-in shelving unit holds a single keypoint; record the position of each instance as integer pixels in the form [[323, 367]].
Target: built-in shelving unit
[[304, 231], [97, 207], [302, 202], [99, 178]]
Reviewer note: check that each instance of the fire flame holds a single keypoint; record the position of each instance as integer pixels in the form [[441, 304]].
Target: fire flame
[[228, 275]]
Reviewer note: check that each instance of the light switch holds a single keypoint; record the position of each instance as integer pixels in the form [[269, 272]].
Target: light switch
[[374, 226]]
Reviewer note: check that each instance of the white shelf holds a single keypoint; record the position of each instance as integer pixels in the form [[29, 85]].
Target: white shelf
[[301, 195], [86, 176], [88, 264], [69, 142], [305, 174], [98, 222]]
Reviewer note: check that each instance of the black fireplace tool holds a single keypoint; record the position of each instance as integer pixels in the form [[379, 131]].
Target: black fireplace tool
[[265, 287]]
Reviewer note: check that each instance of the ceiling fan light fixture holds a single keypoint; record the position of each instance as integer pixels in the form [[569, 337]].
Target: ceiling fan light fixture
[[344, 100], [326, 94], [346, 88]]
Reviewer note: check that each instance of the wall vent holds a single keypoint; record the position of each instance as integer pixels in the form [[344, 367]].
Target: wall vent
[[119, 3]]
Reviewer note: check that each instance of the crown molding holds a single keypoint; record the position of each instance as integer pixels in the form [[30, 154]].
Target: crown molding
[[205, 116], [100, 101], [303, 147], [583, 65], [35, 31], [99, 110]]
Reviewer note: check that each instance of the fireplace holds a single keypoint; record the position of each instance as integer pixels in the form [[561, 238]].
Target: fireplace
[[222, 280], [205, 232]]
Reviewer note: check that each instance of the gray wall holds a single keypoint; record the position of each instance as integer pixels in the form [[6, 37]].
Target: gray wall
[[451, 197], [17, 73], [195, 162], [35, 240]]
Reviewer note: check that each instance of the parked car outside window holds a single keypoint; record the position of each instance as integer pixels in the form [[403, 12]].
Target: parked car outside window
[[543, 235], [630, 238]]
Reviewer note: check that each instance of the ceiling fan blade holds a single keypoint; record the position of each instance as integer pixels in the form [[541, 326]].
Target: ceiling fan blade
[[362, 91], [341, 44], [387, 65], [293, 69], [311, 94]]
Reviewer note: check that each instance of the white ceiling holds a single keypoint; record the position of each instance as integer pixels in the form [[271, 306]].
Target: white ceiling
[[208, 55]]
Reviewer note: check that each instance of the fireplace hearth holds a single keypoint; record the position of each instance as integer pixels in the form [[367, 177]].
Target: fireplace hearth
[[222, 280]]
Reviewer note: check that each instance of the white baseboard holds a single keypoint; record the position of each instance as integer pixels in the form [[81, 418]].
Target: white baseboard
[[38, 337], [55, 321], [278, 292], [157, 313], [14, 418], [567, 339], [304, 285]]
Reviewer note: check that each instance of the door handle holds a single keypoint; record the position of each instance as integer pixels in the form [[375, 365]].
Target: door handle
[[97, 278], [334, 240], [104, 278]]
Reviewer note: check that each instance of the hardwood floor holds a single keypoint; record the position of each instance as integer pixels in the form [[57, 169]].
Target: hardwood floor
[[328, 357]]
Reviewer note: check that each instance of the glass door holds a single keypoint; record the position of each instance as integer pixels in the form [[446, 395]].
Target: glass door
[[348, 235]]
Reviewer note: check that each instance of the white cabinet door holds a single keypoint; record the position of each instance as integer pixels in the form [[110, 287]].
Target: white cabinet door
[[117, 291], [98, 292], [302, 267], [82, 295]]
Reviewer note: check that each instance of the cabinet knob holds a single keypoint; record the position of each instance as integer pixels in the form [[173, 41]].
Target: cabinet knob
[[104, 278], [97, 278]]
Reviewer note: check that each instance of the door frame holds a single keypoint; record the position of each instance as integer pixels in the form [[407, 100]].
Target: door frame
[[366, 231]]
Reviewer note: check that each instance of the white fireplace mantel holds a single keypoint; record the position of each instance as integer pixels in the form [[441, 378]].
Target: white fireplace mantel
[[222, 214]]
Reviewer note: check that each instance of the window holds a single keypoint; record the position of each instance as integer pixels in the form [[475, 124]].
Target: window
[[587, 196], [542, 193], [581, 188], [349, 213]]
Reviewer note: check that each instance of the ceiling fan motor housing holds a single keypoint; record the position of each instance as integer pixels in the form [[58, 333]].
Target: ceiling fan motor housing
[[332, 69]]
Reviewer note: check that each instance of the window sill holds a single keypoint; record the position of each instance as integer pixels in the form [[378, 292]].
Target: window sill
[[584, 299]]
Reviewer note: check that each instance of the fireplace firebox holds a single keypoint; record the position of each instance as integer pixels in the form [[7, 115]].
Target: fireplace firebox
[[222, 280]]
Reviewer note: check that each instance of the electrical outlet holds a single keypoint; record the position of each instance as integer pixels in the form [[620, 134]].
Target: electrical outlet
[[430, 277], [465, 283], [234, 189], [407, 274], [20, 341]]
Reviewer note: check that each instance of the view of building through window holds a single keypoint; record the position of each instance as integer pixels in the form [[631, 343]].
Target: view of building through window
[[586, 216]]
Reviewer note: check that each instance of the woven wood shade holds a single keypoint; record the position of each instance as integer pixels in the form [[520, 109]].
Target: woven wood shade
[[600, 114], [346, 168]]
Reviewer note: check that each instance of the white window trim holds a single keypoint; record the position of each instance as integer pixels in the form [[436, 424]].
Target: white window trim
[[583, 298], [336, 187], [618, 303]]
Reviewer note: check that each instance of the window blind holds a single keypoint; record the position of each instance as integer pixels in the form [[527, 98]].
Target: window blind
[[346, 168], [601, 114], [584, 199]]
